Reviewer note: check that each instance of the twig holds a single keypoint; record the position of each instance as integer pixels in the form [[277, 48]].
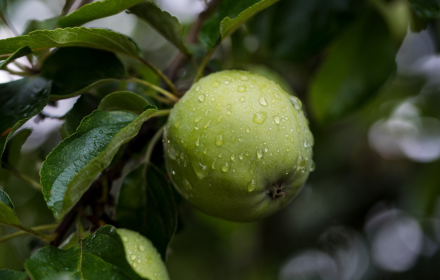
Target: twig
[[161, 75], [35, 233], [168, 94], [20, 233], [67, 6], [21, 176], [152, 143], [202, 66]]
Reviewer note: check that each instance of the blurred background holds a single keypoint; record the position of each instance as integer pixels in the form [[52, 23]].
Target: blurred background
[[367, 73]]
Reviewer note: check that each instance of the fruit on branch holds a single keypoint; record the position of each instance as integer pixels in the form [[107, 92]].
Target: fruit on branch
[[142, 256], [237, 146]]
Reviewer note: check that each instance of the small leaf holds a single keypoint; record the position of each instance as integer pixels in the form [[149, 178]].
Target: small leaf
[[429, 9], [230, 15], [83, 107], [96, 10], [357, 65], [13, 148], [72, 166], [123, 100], [71, 37], [19, 101], [7, 211], [164, 23], [100, 256], [19, 53], [47, 24], [152, 211], [74, 70], [6, 274]]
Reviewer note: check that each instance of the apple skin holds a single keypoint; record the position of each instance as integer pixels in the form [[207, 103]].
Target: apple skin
[[237, 146], [143, 256]]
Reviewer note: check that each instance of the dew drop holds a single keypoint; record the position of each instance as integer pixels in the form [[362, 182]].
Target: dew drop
[[219, 141], [187, 185], [242, 99], [201, 98], [251, 186], [135, 265], [241, 89], [198, 142], [266, 149], [296, 102], [220, 155], [200, 170], [215, 85], [277, 96], [197, 88], [133, 257], [219, 118], [259, 117], [225, 167], [125, 239], [301, 162], [212, 99], [244, 78], [197, 119], [305, 143], [312, 166], [218, 107], [228, 113], [248, 130], [172, 152], [276, 119], [207, 124], [240, 156], [263, 101], [177, 124], [213, 165], [233, 157], [196, 127], [260, 153]]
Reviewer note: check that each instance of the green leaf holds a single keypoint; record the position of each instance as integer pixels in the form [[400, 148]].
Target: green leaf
[[19, 101], [13, 148], [83, 107], [75, 70], [357, 65], [96, 10], [429, 9], [7, 211], [230, 15], [72, 166], [47, 24], [6, 274], [19, 53], [152, 211], [100, 256], [123, 100], [164, 23], [71, 37]]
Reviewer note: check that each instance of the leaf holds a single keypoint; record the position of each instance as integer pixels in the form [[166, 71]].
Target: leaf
[[74, 70], [123, 100], [6, 274], [33, 25], [19, 53], [72, 166], [357, 65], [152, 211], [83, 107], [96, 38], [7, 210], [100, 256], [230, 15], [429, 9], [164, 23], [19, 101], [13, 148], [96, 10]]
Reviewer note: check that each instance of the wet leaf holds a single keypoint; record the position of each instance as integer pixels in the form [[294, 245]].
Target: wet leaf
[[7, 210], [6, 274], [123, 100], [19, 53]]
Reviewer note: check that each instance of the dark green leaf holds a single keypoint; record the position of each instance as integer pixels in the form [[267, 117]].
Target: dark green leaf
[[164, 23], [7, 211], [96, 10], [73, 165], [83, 107], [230, 15], [123, 100], [357, 65], [71, 37], [19, 53], [12, 275], [311, 23], [19, 101], [101, 256], [152, 211], [426, 8], [47, 24], [75, 70], [13, 148]]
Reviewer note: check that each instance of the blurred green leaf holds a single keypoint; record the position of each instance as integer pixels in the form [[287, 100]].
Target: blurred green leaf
[[356, 66], [96, 10], [164, 23], [71, 37], [72, 166], [83, 107], [229, 16], [100, 256], [13, 148], [75, 70], [6, 274], [7, 211], [19, 101], [47, 24], [312, 24], [19, 53], [146, 204], [429, 9], [123, 100]]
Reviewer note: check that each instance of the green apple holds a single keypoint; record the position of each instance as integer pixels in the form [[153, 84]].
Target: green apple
[[237, 146], [142, 256]]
